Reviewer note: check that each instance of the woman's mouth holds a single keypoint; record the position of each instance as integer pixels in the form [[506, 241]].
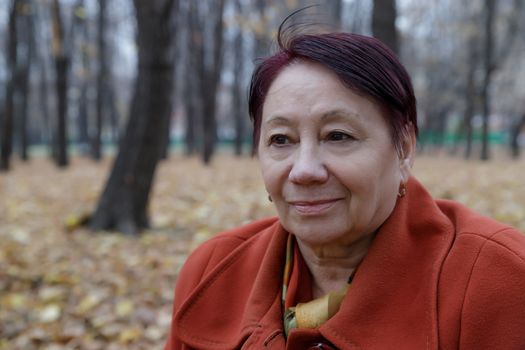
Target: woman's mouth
[[313, 207]]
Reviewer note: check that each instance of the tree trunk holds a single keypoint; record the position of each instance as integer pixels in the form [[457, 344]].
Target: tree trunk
[[209, 126], [43, 97], [514, 138], [209, 82], [101, 76], [22, 110], [237, 87], [80, 37], [384, 23], [43, 90], [203, 85], [336, 13], [166, 139], [7, 127], [83, 133], [61, 68], [123, 204], [193, 109], [23, 75], [261, 39], [166, 133], [112, 110], [470, 98], [488, 69], [469, 111], [191, 142]]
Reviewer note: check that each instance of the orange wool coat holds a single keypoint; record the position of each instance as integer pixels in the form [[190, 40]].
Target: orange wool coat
[[437, 276]]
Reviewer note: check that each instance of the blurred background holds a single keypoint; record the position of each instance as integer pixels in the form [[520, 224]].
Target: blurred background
[[125, 141]]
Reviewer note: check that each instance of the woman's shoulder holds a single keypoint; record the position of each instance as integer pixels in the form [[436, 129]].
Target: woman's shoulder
[[478, 237], [221, 272], [221, 246], [482, 279], [223, 243], [471, 225], [482, 244]]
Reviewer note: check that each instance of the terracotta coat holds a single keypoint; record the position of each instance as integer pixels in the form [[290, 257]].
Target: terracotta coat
[[437, 276]]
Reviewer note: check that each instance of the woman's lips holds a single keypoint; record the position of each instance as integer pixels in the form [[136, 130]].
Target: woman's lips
[[313, 207]]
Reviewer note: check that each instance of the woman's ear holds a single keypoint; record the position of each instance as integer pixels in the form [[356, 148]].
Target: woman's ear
[[407, 151]]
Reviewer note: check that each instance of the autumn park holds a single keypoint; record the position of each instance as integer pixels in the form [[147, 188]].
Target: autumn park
[[125, 142]]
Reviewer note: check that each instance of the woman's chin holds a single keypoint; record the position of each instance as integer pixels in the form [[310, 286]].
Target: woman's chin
[[319, 234]]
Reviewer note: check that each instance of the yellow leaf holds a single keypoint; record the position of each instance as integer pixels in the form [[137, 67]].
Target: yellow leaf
[[88, 303], [51, 294], [124, 308], [154, 333], [74, 221], [14, 301], [50, 313], [130, 334]]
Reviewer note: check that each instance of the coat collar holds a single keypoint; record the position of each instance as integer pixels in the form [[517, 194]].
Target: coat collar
[[260, 262], [393, 295]]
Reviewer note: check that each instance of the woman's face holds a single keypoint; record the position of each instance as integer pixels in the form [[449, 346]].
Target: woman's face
[[327, 157]]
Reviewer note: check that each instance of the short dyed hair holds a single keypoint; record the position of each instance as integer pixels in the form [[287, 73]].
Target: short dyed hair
[[365, 65]]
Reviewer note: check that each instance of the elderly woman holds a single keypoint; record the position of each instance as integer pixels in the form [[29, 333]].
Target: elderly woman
[[360, 256]]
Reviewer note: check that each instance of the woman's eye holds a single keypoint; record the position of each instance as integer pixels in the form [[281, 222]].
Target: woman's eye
[[338, 136], [279, 139]]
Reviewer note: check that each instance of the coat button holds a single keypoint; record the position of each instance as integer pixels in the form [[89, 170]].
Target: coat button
[[321, 346]]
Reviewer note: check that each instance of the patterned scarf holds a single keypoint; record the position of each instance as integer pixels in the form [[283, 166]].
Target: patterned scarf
[[313, 313]]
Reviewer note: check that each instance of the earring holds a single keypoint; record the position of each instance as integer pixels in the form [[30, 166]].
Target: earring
[[270, 198], [402, 190]]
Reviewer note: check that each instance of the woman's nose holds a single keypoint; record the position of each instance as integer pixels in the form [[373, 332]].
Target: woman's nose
[[308, 166]]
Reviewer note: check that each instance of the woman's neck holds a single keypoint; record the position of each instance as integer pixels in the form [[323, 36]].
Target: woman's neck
[[332, 265]]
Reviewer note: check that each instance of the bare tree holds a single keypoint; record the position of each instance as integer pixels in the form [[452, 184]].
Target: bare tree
[[123, 203], [22, 73], [200, 83], [209, 81], [204, 35], [101, 80], [190, 91], [81, 38], [43, 63], [493, 59], [517, 129], [470, 96], [238, 84], [180, 48], [488, 70], [262, 42], [336, 13], [192, 105], [384, 23], [7, 127], [357, 20], [62, 62]]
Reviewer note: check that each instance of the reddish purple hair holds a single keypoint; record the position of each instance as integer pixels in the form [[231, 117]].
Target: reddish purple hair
[[364, 65]]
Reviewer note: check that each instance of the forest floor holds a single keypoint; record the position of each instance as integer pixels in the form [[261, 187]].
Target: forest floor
[[63, 287]]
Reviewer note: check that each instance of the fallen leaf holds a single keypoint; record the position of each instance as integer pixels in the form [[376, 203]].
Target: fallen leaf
[[50, 313]]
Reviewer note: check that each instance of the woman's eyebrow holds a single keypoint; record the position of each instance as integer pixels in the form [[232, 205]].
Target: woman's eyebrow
[[338, 114], [278, 120], [330, 116]]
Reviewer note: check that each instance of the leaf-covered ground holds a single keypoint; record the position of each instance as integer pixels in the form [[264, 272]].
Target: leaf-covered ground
[[62, 287]]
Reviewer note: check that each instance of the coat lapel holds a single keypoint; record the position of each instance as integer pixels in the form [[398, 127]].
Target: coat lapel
[[239, 298], [393, 297]]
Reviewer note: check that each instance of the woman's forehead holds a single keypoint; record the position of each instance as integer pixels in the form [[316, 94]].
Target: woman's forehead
[[303, 84]]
